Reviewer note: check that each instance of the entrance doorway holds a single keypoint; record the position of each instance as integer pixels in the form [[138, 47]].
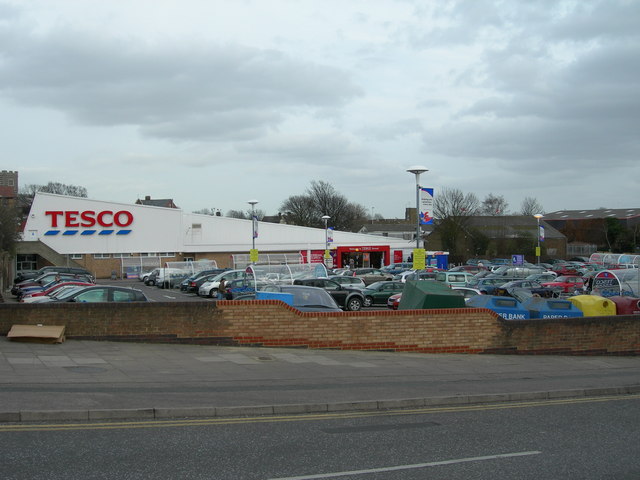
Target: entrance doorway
[[363, 259]]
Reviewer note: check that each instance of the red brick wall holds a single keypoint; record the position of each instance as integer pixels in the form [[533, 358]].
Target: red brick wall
[[271, 323]]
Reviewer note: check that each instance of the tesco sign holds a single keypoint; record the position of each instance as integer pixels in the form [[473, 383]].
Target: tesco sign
[[89, 218]]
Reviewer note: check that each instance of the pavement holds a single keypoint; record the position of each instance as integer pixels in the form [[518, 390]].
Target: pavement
[[91, 380]]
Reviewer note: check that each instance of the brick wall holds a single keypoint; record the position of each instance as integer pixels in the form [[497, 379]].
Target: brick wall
[[271, 323]]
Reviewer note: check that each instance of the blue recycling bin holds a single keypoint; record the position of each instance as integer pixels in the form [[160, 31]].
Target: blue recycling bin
[[284, 297], [551, 308], [507, 307]]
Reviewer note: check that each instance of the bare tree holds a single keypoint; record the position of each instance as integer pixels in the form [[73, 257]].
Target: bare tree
[[530, 206], [54, 187], [494, 205], [246, 215], [321, 198], [453, 210]]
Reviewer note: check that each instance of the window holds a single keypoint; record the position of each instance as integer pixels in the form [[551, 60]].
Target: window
[[166, 254], [92, 296], [76, 256], [120, 296], [122, 255], [101, 255]]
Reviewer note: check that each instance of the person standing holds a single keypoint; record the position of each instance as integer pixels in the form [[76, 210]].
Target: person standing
[[222, 290]]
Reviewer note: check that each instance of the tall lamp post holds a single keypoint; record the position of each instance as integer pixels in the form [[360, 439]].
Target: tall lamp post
[[326, 239], [538, 216], [254, 232], [417, 170]]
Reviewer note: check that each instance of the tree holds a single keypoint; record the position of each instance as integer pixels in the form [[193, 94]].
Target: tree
[[320, 199], [245, 215], [530, 207], [214, 212], [54, 187], [454, 209], [494, 205], [9, 226]]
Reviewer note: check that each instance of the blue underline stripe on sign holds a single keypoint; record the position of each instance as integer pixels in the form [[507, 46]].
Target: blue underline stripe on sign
[[88, 232], [105, 232], [52, 232], [123, 232], [69, 232]]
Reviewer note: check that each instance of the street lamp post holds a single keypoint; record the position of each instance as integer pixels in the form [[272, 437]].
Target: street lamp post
[[326, 239], [538, 216], [417, 170], [253, 224]]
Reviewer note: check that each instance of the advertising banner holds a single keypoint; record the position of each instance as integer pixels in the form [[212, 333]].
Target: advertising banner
[[330, 235], [255, 227], [541, 233], [426, 206]]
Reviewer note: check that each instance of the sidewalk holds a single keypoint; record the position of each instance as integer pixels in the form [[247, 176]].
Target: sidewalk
[[83, 380]]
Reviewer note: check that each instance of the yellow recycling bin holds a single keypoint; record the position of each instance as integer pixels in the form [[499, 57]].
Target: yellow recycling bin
[[594, 305]]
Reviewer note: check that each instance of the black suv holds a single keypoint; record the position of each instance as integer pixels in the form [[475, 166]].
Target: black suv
[[348, 298]]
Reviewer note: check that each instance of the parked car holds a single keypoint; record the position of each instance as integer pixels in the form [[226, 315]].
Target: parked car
[[379, 292], [102, 293], [569, 284], [348, 298], [59, 293], [486, 285], [415, 275], [532, 286], [542, 277], [144, 276], [193, 282], [454, 279], [467, 292], [396, 268], [30, 274], [39, 283], [469, 268], [306, 299], [354, 282], [393, 302], [517, 271], [210, 288], [49, 289], [371, 275]]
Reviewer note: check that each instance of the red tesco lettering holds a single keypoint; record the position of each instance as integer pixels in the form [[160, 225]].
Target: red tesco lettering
[[89, 218]]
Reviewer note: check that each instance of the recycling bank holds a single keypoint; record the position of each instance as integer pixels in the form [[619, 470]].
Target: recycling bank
[[107, 237]]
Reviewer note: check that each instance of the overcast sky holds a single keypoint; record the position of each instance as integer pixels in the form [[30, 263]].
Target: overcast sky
[[213, 103]]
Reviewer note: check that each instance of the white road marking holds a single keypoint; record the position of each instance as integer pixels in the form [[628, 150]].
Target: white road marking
[[409, 467]]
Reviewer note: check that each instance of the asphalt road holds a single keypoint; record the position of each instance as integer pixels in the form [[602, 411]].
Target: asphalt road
[[589, 438]]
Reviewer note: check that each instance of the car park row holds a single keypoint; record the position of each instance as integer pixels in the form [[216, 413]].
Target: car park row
[[345, 289]]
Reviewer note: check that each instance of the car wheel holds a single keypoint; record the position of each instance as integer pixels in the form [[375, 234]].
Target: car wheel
[[368, 301], [213, 292], [354, 304]]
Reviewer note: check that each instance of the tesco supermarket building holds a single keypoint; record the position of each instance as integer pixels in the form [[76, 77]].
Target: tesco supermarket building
[[115, 238]]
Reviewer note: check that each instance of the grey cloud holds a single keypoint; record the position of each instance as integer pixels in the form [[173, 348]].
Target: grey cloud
[[165, 89], [579, 109]]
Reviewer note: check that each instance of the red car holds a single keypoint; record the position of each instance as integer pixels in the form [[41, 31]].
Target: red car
[[394, 301], [569, 284]]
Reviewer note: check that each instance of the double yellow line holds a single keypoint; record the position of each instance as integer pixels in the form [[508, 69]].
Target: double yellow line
[[181, 423]]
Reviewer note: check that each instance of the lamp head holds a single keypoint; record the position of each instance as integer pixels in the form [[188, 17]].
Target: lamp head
[[417, 169]]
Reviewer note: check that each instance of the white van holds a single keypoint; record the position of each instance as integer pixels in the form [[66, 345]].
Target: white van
[[169, 277], [454, 279]]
